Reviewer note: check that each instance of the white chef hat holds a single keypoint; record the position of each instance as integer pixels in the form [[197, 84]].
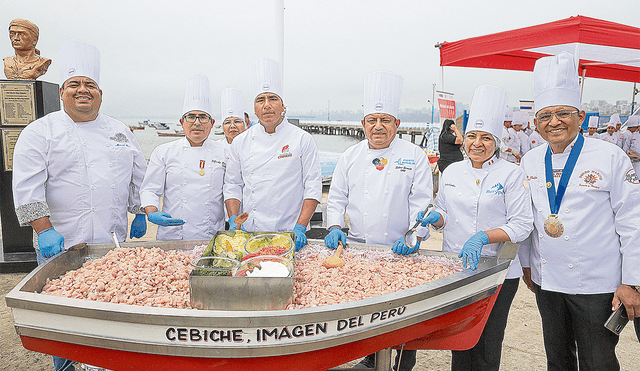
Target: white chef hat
[[231, 104], [79, 59], [197, 95], [508, 114], [266, 77], [633, 121], [382, 91], [555, 82], [520, 118], [614, 119], [593, 121], [488, 110]]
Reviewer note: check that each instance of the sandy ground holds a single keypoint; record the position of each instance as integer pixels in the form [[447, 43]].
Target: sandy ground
[[522, 347]]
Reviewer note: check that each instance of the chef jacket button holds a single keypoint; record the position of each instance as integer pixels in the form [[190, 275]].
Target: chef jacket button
[[540, 210], [101, 126], [566, 238], [185, 183], [459, 194], [540, 185], [184, 149], [106, 144], [110, 207], [110, 164], [113, 186], [457, 221], [367, 172], [185, 201], [254, 209], [93, 187], [384, 215], [386, 191], [185, 165], [570, 266], [465, 172], [566, 210], [386, 234], [89, 166], [365, 214], [206, 203], [540, 235], [208, 185], [457, 245], [544, 261], [93, 209], [366, 234]]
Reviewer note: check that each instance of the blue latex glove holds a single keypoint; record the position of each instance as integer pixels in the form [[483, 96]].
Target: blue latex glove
[[233, 225], [301, 237], [335, 234], [472, 248], [164, 219], [400, 248], [50, 242], [138, 226], [432, 218]]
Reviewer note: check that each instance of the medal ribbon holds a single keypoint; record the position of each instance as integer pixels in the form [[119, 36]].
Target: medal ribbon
[[556, 199]]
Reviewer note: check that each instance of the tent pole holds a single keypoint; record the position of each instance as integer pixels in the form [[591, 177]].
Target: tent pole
[[584, 72]]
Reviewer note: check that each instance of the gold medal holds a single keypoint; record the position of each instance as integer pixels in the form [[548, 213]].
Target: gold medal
[[553, 226], [202, 162], [477, 182], [201, 172], [549, 185]]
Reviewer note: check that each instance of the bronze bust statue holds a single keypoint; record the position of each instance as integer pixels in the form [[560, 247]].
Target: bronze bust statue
[[27, 64]]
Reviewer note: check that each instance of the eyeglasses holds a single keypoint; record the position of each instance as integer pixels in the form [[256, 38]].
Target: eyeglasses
[[236, 122], [191, 118], [560, 115]]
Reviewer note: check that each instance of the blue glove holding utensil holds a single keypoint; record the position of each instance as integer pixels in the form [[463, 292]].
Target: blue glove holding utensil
[[164, 219], [432, 218], [233, 225], [138, 226], [301, 236], [471, 250], [335, 234], [50, 242], [400, 248]]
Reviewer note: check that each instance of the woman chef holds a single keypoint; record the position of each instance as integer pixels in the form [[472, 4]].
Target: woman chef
[[483, 202], [189, 172]]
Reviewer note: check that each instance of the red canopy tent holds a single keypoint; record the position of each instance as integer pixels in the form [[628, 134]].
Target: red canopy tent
[[606, 50]]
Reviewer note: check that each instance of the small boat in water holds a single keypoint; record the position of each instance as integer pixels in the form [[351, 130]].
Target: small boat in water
[[177, 133]]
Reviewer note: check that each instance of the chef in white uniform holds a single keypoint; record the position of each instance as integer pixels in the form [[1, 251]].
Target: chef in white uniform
[[510, 142], [381, 183], [633, 149], [632, 127], [535, 139], [273, 167], [592, 128], [520, 119], [189, 172], [76, 171], [482, 203], [232, 114], [584, 255], [611, 135]]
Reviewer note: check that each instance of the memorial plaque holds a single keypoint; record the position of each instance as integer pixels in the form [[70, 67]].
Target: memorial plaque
[[8, 141], [17, 103]]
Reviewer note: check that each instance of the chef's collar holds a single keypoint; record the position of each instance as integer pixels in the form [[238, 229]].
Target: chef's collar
[[279, 127], [393, 142], [487, 164]]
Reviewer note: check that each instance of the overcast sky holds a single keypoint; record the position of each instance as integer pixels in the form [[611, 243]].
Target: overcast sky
[[148, 48]]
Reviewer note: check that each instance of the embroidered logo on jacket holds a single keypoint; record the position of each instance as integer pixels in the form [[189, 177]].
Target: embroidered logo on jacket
[[405, 165], [285, 152], [380, 163], [632, 177], [590, 178], [120, 138], [497, 189]]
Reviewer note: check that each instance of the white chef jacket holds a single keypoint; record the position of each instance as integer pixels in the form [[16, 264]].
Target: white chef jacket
[[535, 139], [174, 170], [226, 145], [594, 136], [524, 142], [472, 200], [382, 201], [272, 174], [626, 139], [84, 176], [600, 211], [510, 140], [613, 139], [634, 145]]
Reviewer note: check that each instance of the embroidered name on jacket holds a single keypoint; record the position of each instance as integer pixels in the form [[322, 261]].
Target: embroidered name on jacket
[[406, 164], [497, 189], [285, 152], [590, 178]]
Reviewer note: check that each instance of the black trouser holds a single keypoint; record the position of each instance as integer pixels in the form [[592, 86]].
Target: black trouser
[[573, 323], [636, 323], [406, 363], [485, 355]]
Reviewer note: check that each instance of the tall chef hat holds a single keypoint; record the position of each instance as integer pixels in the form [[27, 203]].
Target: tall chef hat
[[382, 92], [555, 82], [197, 95], [633, 121], [508, 114], [520, 118], [266, 77], [593, 121], [232, 104], [614, 119], [488, 110], [79, 59]]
